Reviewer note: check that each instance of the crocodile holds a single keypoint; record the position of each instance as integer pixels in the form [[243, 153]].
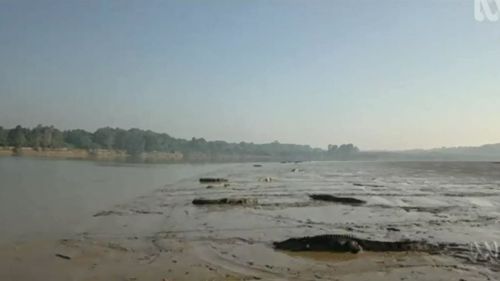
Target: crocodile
[[331, 198], [225, 201], [212, 180], [347, 243]]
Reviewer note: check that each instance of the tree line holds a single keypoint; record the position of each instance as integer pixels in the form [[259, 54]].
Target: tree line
[[136, 141]]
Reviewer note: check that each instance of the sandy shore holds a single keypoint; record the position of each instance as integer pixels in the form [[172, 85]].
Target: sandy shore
[[162, 236]]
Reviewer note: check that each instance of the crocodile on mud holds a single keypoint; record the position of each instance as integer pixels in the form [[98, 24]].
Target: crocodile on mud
[[336, 199], [348, 243], [213, 180], [225, 201]]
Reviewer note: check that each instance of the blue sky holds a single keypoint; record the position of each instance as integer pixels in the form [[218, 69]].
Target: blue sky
[[380, 74]]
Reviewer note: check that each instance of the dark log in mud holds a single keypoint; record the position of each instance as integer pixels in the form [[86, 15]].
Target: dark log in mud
[[331, 198], [347, 243], [211, 180], [225, 201]]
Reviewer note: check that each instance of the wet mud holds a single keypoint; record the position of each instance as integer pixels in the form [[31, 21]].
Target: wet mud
[[407, 228]]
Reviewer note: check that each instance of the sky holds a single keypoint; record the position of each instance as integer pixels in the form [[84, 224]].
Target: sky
[[382, 74]]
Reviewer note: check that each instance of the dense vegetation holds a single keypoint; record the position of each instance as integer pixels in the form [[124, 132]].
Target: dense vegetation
[[136, 141]]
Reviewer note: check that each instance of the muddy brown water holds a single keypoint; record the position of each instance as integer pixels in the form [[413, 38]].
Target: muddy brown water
[[52, 198]]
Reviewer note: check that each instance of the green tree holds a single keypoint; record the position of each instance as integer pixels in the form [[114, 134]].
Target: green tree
[[79, 139], [57, 139], [105, 137], [134, 142], [47, 137], [152, 141], [36, 137], [332, 148], [3, 136], [16, 137], [120, 138]]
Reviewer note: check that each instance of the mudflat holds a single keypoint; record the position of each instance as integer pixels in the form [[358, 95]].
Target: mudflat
[[162, 235]]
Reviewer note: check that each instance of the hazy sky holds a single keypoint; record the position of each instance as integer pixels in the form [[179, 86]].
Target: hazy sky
[[379, 74]]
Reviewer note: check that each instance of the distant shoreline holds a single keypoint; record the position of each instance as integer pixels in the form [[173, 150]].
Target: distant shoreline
[[123, 156], [179, 157], [148, 146], [87, 154]]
